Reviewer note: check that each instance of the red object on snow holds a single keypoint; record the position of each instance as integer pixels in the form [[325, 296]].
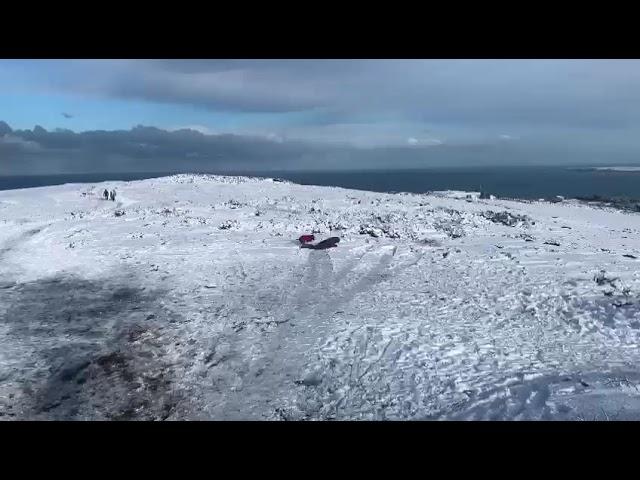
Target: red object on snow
[[306, 238]]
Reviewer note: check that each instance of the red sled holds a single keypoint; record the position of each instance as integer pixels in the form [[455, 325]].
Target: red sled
[[306, 238]]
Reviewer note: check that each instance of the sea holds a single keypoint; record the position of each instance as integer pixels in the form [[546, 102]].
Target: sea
[[510, 182]]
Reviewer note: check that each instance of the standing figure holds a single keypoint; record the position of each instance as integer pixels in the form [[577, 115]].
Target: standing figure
[[112, 195], [105, 194]]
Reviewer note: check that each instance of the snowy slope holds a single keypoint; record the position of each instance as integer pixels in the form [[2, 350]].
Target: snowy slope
[[188, 298]]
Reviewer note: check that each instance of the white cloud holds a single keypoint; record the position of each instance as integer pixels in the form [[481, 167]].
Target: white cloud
[[26, 145], [275, 138], [198, 128], [424, 141]]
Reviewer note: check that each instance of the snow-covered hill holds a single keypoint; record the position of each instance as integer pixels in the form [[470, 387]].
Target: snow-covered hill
[[189, 298]]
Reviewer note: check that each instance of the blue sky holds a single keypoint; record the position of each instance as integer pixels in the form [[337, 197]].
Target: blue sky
[[328, 100], [24, 110], [563, 110], [34, 93]]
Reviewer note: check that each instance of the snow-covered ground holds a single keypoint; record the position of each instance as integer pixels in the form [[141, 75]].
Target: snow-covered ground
[[189, 298]]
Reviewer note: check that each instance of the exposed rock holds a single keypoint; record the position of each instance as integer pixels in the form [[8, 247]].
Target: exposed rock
[[507, 218], [229, 224], [526, 237]]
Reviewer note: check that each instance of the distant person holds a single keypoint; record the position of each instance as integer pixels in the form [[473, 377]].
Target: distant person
[[105, 194], [112, 196]]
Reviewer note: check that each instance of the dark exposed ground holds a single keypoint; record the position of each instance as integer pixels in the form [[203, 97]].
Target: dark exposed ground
[[97, 351], [624, 204]]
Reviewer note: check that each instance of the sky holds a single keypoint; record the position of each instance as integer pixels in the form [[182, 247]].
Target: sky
[[161, 115]]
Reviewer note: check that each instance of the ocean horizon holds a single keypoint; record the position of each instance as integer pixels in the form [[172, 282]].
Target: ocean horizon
[[529, 182]]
